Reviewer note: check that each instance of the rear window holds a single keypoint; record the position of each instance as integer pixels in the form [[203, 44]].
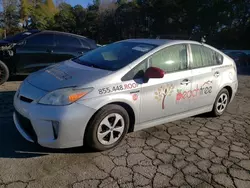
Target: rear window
[[66, 40], [203, 57], [114, 56], [85, 44]]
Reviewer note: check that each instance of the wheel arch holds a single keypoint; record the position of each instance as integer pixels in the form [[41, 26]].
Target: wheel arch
[[7, 68], [126, 106], [228, 88], [230, 91], [130, 112]]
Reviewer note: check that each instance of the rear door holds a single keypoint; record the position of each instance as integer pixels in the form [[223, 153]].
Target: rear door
[[35, 54], [67, 47], [206, 78]]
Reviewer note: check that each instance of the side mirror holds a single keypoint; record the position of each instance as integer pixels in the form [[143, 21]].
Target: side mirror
[[154, 72]]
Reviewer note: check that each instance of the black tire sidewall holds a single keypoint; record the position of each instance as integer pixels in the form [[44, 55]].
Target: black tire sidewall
[[215, 111], [91, 132], [5, 68]]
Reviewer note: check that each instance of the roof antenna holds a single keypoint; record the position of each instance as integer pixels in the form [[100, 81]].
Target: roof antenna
[[203, 39]]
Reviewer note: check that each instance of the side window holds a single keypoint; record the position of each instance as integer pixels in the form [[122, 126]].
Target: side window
[[43, 39], [85, 44], [66, 40], [203, 56], [196, 54], [137, 72], [170, 59]]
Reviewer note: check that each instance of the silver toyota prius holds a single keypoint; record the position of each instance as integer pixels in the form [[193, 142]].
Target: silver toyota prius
[[97, 98]]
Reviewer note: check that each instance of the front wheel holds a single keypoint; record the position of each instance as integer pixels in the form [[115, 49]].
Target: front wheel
[[107, 128], [221, 103], [4, 73]]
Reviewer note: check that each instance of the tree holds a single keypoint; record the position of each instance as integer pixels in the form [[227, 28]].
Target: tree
[[10, 18], [51, 6], [58, 2], [121, 2], [92, 23], [40, 17], [162, 93], [96, 2], [24, 10], [224, 23], [65, 19], [80, 15]]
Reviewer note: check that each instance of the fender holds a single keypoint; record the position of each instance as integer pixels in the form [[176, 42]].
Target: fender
[[127, 98]]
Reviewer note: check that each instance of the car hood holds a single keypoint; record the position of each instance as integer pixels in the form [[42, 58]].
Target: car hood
[[65, 74], [4, 42]]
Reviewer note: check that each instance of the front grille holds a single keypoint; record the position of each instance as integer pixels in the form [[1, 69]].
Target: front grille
[[25, 99], [25, 124]]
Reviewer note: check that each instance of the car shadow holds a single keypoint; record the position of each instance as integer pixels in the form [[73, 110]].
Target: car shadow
[[12, 144]]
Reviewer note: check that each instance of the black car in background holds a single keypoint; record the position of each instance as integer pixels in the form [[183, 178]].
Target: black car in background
[[240, 58], [32, 50]]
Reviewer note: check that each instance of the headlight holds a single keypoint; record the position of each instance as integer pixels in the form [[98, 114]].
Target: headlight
[[64, 96]]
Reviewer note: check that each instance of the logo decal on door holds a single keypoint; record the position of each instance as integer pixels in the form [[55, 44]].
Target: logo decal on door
[[163, 92], [206, 88]]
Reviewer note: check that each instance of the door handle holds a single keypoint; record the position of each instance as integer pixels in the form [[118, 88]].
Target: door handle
[[185, 82], [216, 74], [49, 51]]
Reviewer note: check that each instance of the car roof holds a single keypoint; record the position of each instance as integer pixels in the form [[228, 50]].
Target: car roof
[[65, 33], [160, 42], [91, 42]]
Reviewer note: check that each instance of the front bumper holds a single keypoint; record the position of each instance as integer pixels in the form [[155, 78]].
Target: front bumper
[[35, 122]]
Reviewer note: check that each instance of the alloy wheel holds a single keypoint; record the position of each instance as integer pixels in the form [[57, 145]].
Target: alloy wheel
[[222, 103], [110, 129]]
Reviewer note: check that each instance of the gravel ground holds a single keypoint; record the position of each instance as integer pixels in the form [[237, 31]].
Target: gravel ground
[[195, 152]]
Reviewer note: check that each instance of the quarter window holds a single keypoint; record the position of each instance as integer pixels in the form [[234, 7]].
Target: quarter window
[[170, 59], [203, 57]]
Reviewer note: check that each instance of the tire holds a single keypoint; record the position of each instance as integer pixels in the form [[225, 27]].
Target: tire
[[96, 129], [219, 100], [4, 73]]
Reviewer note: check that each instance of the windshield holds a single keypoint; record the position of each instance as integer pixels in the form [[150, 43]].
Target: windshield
[[20, 36], [114, 56]]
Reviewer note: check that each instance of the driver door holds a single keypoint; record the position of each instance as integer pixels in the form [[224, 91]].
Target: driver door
[[171, 94]]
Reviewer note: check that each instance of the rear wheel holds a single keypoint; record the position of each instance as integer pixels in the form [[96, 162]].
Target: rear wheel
[[221, 103], [107, 128], [4, 73]]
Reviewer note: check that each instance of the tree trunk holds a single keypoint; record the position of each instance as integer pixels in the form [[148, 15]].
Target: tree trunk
[[4, 33], [163, 102]]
